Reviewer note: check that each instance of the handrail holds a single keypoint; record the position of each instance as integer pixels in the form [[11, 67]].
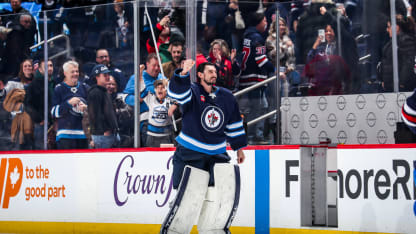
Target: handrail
[[248, 89], [364, 57], [261, 117], [66, 51]]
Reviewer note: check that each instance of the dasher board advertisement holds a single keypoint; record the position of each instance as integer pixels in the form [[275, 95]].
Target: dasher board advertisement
[[99, 187]]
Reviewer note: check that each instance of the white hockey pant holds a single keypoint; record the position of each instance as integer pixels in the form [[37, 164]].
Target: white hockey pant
[[212, 208]]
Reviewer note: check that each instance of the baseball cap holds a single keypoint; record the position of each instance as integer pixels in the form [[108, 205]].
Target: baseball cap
[[99, 69], [158, 82]]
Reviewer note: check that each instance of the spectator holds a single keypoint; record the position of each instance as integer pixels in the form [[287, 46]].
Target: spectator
[[296, 9], [15, 19], [176, 50], [327, 72], [225, 63], [161, 108], [24, 77], [376, 13], [406, 52], [220, 21], [101, 114], [103, 57], [5, 120], [34, 102], [112, 87], [121, 21], [270, 8], [162, 34], [287, 73], [324, 48], [3, 37], [310, 22], [200, 57], [347, 51], [49, 7], [255, 67], [68, 105], [51, 78], [21, 130], [17, 45], [124, 114], [151, 74], [286, 46]]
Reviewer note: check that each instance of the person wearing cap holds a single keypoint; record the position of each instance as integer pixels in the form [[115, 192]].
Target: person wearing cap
[[101, 114], [255, 68], [103, 57], [161, 108]]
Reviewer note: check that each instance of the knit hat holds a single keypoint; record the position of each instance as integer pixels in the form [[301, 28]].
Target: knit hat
[[255, 18]]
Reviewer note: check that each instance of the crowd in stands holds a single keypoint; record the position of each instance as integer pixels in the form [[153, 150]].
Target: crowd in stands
[[91, 95]]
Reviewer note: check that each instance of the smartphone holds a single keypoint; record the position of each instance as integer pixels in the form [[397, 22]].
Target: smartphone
[[321, 34]]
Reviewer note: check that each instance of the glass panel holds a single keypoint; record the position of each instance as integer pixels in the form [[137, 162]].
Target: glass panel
[[345, 95], [17, 34]]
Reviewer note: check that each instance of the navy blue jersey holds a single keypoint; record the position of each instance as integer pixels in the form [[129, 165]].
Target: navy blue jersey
[[68, 116], [209, 120], [409, 112], [255, 66]]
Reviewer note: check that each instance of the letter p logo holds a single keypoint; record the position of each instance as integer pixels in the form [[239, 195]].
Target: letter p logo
[[13, 179]]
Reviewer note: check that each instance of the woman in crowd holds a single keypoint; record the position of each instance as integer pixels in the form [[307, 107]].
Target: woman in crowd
[[24, 77], [286, 54], [225, 62], [22, 124], [287, 48]]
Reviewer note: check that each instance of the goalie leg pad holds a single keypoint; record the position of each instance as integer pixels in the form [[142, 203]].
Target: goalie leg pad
[[221, 203], [188, 202]]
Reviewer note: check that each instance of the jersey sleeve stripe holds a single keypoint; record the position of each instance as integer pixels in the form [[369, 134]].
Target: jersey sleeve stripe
[[260, 58], [235, 134], [408, 117], [408, 109], [234, 125], [185, 101], [407, 122], [262, 62], [179, 95]]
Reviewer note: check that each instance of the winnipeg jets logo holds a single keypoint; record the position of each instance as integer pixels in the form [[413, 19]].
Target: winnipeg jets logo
[[74, 89], [212, 118]]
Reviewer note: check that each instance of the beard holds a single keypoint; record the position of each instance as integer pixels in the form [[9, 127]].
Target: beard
[[209, 82]]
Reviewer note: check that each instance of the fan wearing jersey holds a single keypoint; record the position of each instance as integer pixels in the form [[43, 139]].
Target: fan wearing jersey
[[255, 68], [68, 106], [161, 108]]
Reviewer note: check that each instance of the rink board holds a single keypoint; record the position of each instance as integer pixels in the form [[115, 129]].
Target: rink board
[[128, 191]]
